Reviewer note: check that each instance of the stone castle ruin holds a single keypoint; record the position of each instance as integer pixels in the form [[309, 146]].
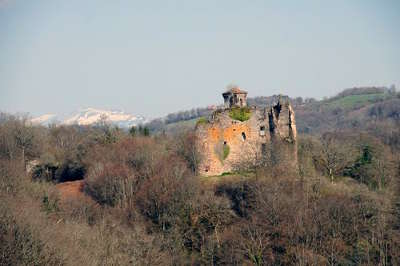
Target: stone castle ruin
[[238, 136]]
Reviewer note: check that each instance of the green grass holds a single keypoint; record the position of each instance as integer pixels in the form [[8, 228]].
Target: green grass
[[201, 120], [226, 174], [224, 177], [241, 114], [226, 151], [352, 101], [222, 151]]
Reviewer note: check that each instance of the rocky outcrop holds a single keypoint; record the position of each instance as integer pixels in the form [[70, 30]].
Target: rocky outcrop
[[282, 121]]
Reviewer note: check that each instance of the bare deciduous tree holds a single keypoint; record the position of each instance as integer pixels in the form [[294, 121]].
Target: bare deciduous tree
[[333, 157]]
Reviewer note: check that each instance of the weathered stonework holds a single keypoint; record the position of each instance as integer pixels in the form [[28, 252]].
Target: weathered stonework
[[226, 144], [235, 97]]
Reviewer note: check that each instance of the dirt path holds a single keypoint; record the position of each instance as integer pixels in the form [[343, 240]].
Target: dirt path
[[71, 190]]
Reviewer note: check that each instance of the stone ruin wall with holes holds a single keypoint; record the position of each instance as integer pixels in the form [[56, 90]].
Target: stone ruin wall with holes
[[266, 133]]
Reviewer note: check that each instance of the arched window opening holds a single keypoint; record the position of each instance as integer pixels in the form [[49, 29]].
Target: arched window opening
[[243, 136]]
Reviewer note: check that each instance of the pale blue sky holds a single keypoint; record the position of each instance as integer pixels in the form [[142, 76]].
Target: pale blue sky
[[155, 57]]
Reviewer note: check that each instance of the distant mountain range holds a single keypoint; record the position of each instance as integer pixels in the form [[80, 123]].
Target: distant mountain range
[[311, 115], [91, 116]]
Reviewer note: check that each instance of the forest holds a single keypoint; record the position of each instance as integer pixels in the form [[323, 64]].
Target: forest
[[140, 201]]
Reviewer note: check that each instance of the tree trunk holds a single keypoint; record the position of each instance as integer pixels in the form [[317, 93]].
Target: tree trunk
[[23, 157]]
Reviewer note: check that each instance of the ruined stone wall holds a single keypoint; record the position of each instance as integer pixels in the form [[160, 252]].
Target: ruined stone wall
[[283, 134], [227, 145]]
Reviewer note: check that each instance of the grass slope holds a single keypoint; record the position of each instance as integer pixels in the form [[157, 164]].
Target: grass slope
[[354, 101]]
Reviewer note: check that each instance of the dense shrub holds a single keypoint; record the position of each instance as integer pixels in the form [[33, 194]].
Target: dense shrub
[[119, 171], [185, 147], [166, 196], [111, 184], [64, 172], [116, 171], [10, 176], [82, 210], [46, 172], [387, 109], [291, 222], [20, 246], [241, 194], [241, 114]]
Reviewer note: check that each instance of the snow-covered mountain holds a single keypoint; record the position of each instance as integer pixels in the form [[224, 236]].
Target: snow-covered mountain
[[91, 116], [45, 119]]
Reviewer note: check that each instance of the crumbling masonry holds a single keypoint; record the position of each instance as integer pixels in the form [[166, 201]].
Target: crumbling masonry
[[239, 136]]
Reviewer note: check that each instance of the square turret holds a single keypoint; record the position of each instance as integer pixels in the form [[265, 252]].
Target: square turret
[[235, 97]]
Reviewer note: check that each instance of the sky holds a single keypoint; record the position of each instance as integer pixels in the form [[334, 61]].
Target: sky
[[155, 57]]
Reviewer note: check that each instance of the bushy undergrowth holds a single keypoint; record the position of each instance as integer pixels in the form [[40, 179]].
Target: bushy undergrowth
[[20, 246], [143, 203], [296, 222]]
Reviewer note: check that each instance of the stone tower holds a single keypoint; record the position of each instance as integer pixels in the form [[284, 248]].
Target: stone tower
[[235, 97], [239, 136]]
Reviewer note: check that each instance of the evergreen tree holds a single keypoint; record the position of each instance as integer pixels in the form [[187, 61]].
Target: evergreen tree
[[132, 131], [146, 131]]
